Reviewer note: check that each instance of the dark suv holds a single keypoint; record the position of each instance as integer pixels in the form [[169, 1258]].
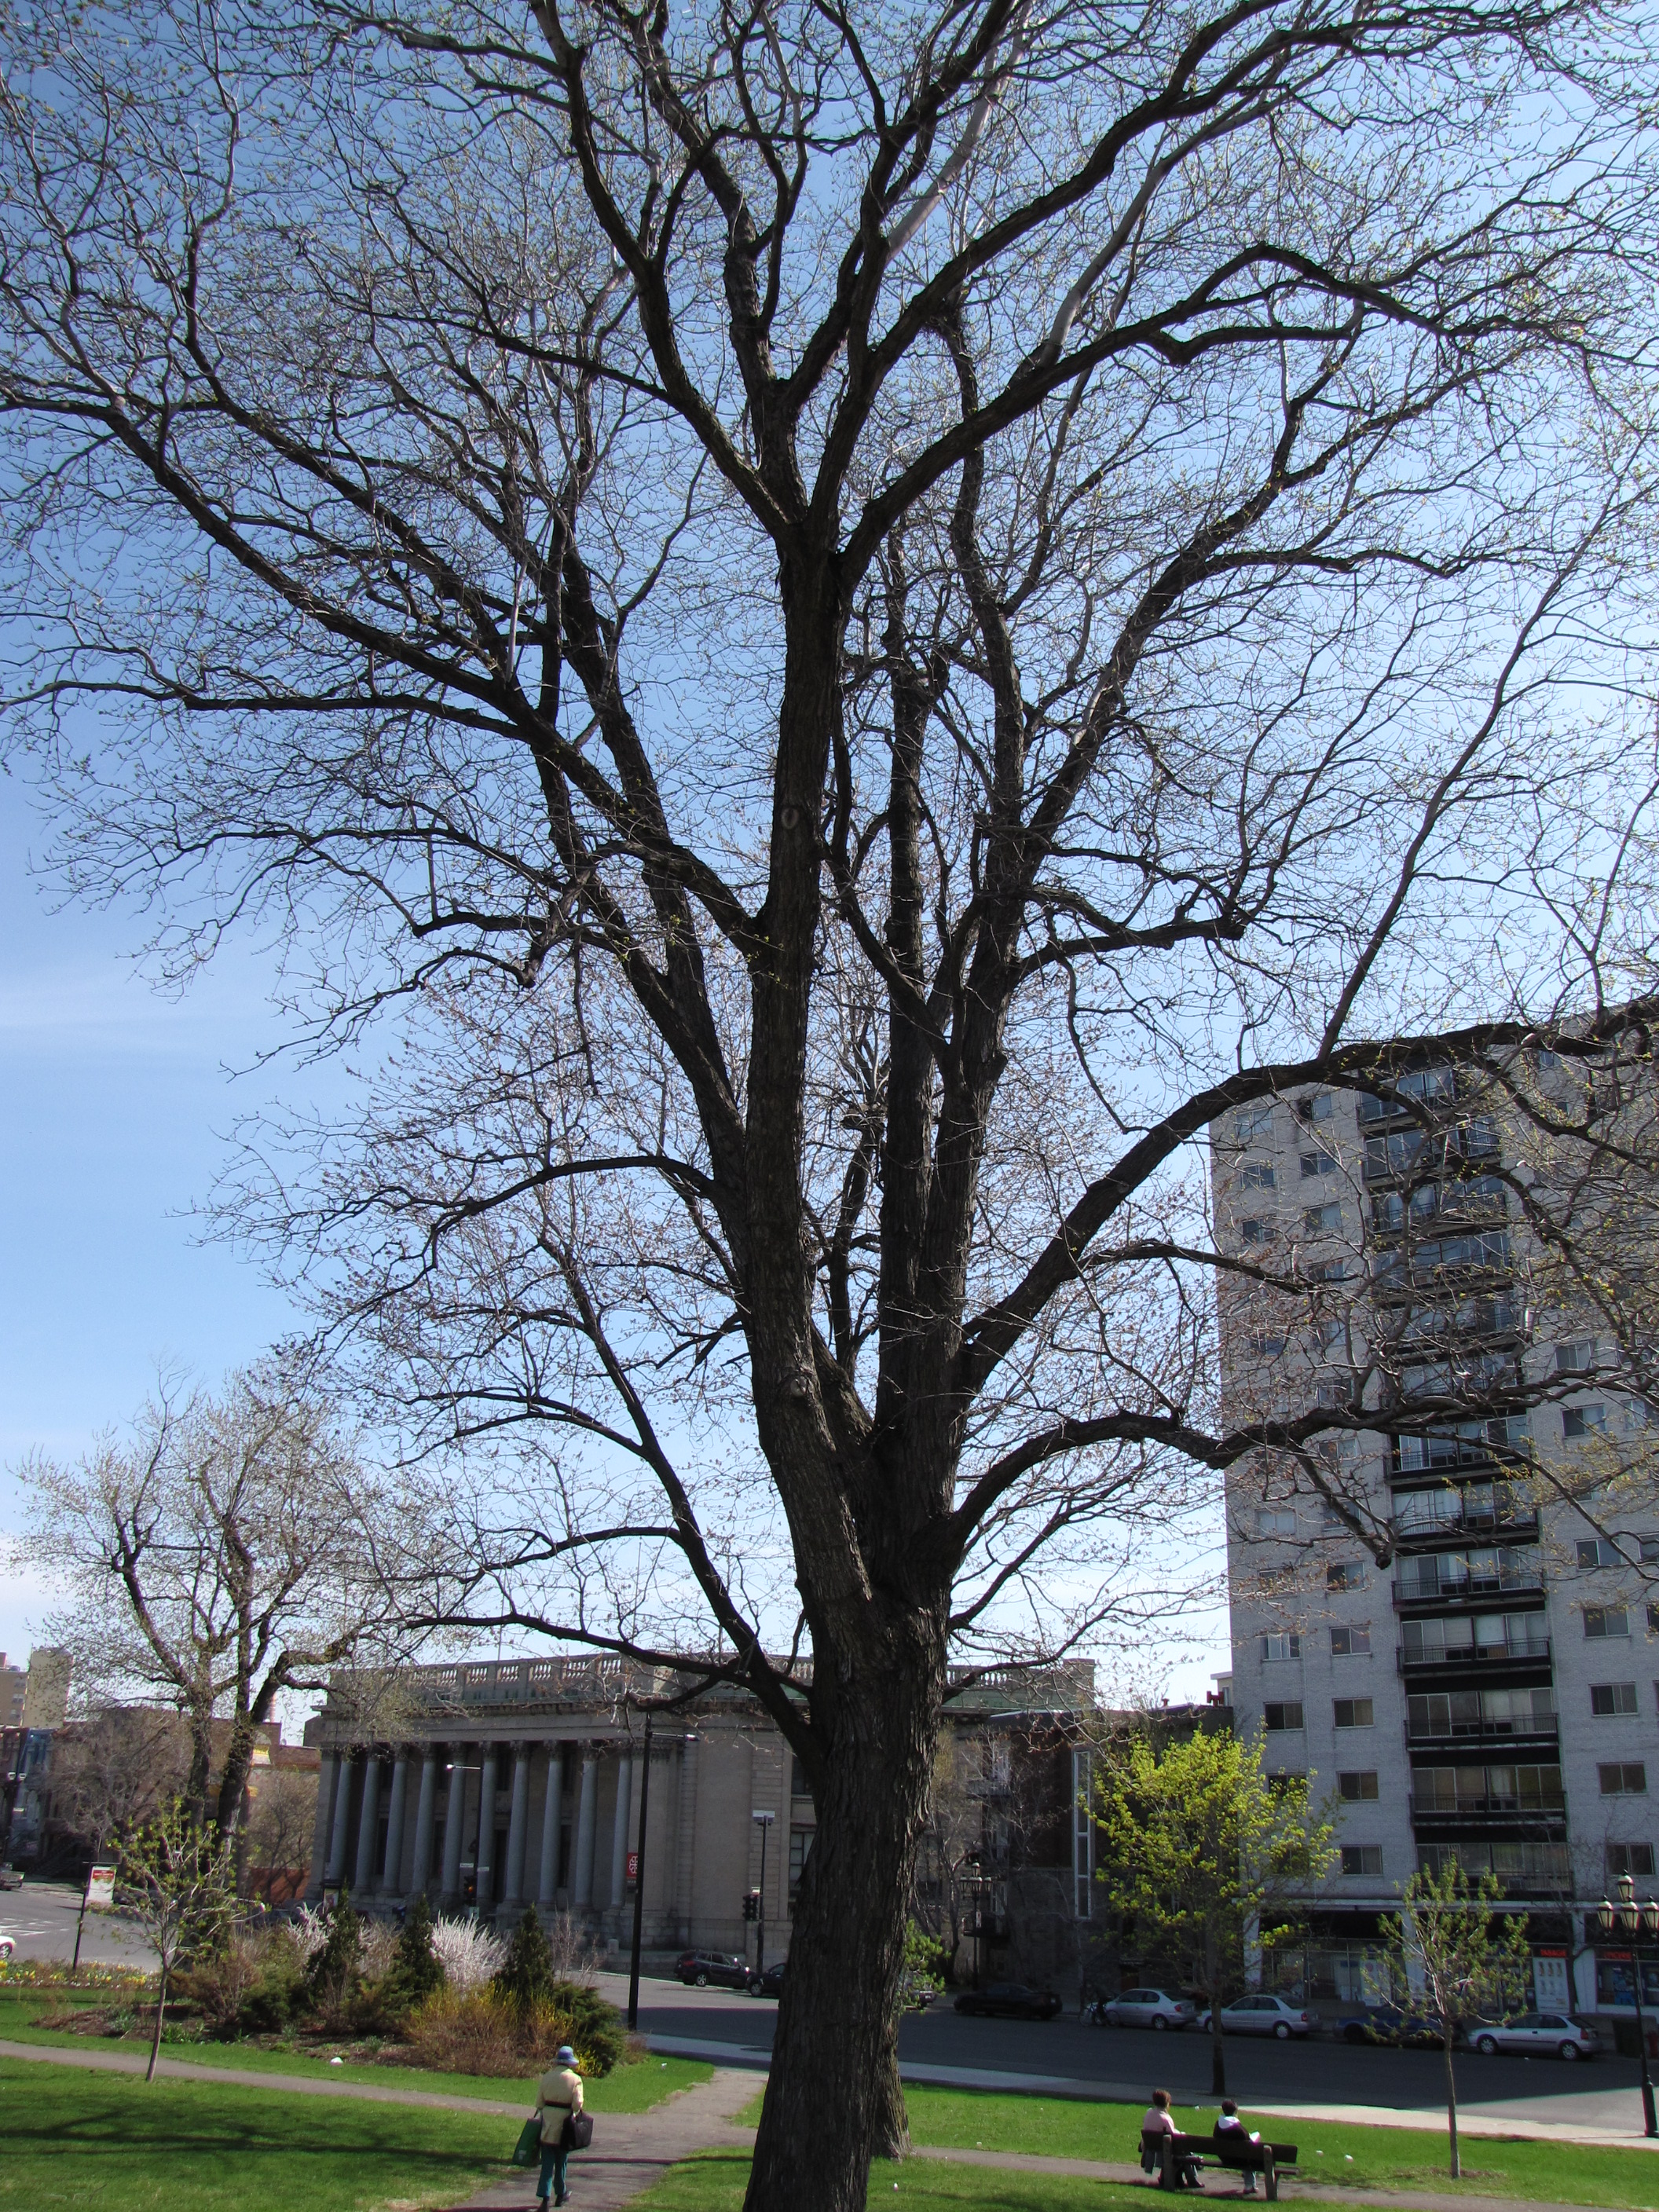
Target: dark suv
[[698, 1969]]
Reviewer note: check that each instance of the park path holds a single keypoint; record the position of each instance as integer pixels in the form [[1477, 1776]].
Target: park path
[[632, 2150]]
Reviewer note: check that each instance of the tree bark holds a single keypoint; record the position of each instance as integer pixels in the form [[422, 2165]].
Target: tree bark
[[833, 2091], [891, 2132], [1455, 2166], [155, 2038]]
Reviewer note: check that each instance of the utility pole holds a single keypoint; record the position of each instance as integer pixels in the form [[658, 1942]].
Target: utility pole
[[639, 1886], [763, 1820]]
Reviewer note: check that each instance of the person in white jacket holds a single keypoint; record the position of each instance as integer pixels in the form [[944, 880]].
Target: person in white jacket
[[558, 2100]]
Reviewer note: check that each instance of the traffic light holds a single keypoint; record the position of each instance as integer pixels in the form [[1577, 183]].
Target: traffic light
[[751, 1905]]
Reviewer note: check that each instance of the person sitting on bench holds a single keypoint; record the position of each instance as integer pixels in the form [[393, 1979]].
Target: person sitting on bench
[[1158, 2121], [1228, 2124]]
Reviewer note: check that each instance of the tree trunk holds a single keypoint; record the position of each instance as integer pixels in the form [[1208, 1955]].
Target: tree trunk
[[1218, 2052], [155, 2038], [891, 2130], [832, 2097], [80, 1919], [1455, 2169]]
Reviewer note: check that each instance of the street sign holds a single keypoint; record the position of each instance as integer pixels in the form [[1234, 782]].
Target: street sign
[[100, 1885], [633, 1865]]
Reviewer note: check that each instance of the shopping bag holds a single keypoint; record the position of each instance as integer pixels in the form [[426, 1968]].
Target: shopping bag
[[578, 2131], [527, 2151]]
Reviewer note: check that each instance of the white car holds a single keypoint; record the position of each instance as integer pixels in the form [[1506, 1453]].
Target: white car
[[1149, 2008], [1262, 2015], [8, 1945], [1535, 2033]]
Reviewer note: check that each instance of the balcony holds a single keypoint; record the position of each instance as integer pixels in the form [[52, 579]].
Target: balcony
[[1416, 1151], [1517, 1521], [1437, 1659], [1456, 1202], [1443, 1577], [1441, 1263]]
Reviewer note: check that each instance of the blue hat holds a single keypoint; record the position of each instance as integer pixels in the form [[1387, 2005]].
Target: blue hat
[[564, 2055]]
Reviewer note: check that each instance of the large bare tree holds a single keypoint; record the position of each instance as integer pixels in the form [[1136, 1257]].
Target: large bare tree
[[838, 624]]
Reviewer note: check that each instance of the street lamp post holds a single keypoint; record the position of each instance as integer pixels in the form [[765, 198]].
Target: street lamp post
[[1631, 1920], [764, 1821], [639, 1885]]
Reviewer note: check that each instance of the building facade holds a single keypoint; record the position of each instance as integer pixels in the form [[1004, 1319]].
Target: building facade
[[1491, 1692], [506, 1783]]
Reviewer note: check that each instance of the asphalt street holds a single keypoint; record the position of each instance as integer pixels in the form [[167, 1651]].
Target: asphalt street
[[40, 1919], [1602, 2093]]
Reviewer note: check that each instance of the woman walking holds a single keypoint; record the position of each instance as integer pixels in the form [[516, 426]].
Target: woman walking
[[558, 2100]]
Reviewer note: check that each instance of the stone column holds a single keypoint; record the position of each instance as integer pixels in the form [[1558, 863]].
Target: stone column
[[392, 1872], [586, 1816], [547, 1882], [368, 1824], [685, 1839], [484, 1863], [426, 1810], [453, 1807], [328, 1775], [619, 1831], [336, 1847], [518, 1825]]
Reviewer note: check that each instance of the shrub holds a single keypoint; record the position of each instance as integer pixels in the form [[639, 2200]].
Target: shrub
[[469, 1952], [525, 1976], [332, 1974], [487, 2033], [415, 1973]]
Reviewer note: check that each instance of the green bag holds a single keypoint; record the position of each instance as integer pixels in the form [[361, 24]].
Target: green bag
[[527, 2151]]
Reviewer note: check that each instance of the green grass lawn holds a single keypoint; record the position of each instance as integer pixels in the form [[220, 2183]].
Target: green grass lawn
[[75, 2141], [629, 2089], [715, 2181], [1371, 2162]]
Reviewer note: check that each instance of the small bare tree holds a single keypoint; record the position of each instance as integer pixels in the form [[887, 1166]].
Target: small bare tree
[[179, 1880], [111, 1773], [210, 1560]]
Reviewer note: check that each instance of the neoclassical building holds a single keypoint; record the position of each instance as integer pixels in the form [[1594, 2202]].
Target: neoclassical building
[[511, 1782]]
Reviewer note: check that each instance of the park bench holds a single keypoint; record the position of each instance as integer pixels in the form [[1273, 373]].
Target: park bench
[[1234, 2151]]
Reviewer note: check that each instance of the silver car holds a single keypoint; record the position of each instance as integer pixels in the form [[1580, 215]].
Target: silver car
[[1537, 2034], [1264, 2016], [1149, 2008]]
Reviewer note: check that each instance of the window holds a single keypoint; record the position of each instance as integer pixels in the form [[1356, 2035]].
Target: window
[[798, 1784], [1316, 1163], [1255, 1232], [1285, 1646], [1345, 1575], [1318, 1219], [1596, 1551], [1606, 1620], [1319, 1106], [1265, 1343], [1653, 1621], [1331, 1333], [1361, 1858], [1357, 1787], [1354, 1712], [1624, 1778], [1352, 1642], [1328, 1271], [1610, 1697], [1629, 1858], [1257, 1176], [1287, 1715], [1579, 1421], [1575, 1359], [800, 1849], [1275, 1521], [1253, 1122], [1650, 1551]]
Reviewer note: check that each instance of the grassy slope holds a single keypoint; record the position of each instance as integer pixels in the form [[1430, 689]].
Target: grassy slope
[[629, 2089], [84, 2142], [1372, 2161]]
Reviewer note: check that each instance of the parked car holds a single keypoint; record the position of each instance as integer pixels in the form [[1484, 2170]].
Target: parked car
[[1265, 2016], [767, 1985], [1537, 2034], [1010, 2001], [1410, 2031], [723, 1968], [9, 1878], [1146, 2008]]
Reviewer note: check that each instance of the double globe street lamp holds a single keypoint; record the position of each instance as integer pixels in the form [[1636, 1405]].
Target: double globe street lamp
[[1630, 1919]]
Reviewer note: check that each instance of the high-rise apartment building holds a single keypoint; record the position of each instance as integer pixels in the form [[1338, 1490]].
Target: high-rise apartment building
[[1492, 1691]]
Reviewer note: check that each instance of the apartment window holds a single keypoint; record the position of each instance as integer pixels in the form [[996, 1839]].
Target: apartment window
[[1354, 1712], [1609, 1698], [1578, 1421], [1318, 1219], [800, 1849], [1255, 1232], [1331, 1334], [1253, 1122], [1284, 1646], [1653, 1621], [1328, 1271], [1345, 1575], [1596, 1551], [1352, 1642], [1275, 1521], [1357, 1786], [1258, 1177], [1265, 1343], [1650, 1551], [1287, 1715], [1315, 1164], [1320, 1106], [1575, 1359], [1624, 1778], [1606, 1620], [798, 1784], [1629, 1858], [1361, 1858]]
